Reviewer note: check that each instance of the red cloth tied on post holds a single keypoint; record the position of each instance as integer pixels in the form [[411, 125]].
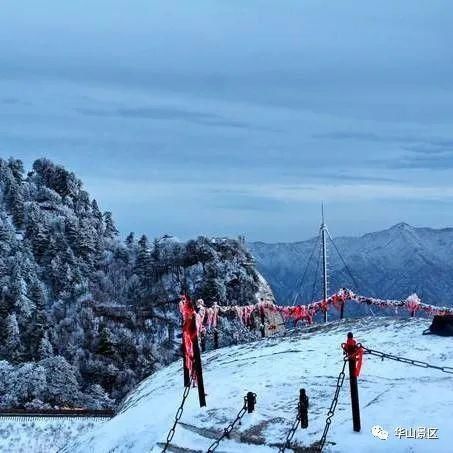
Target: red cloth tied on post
[[324, 305], [189, 333], [335, 301], [207, 318], [338, 300], [358, 361], [302, 314], [413, 303], [239, 312], [215, 309], [354, 351], [200, 316], [247, 314], [299, 313], [296, 313], [210, 320], [285, 312]]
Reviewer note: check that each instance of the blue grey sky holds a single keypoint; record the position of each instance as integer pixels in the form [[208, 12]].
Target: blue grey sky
[[240, 116]]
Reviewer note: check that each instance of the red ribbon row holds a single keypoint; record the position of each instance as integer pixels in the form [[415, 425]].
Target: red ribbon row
[[207, 317]]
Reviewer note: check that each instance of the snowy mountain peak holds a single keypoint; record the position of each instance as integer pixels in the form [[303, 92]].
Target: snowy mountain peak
[[402, 226], [391, 263]]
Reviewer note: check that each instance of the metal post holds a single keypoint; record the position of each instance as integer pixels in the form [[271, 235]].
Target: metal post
[[324, 260], [203, 342], [251, 401], [186, 370], [216, 339], [187, 376], [303, 409], [263, 321], [198, 368], [351, 348]]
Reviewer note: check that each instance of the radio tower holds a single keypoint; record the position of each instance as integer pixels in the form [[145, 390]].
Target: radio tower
[[324, 233]]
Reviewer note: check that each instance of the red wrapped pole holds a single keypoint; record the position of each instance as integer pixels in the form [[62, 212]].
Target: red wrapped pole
[[354, 355], [187, 379], [191, 349]]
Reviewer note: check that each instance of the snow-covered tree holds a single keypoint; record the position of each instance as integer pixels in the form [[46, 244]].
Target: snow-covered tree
[[130, 239], [45, 349], [79, 306], [12, 340], [110, 228]]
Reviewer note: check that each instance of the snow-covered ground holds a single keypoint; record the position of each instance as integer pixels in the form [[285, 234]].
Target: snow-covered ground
[[392, 395], [43, 434]]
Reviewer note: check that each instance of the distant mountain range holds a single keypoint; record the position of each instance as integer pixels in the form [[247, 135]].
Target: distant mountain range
[[390, 264]]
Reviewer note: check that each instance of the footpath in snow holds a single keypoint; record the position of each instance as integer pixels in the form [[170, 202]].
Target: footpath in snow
[[392, 395]]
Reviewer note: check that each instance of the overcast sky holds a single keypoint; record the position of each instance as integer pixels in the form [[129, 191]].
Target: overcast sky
[[239, 116]]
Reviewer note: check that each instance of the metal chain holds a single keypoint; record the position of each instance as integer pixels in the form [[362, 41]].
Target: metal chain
[[419, 363], [291, 432], [178, 416], [229, 428], [332, 408]]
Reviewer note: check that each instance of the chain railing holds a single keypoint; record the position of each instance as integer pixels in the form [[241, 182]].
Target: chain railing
[[250, 400], [178, 416], [291, 432], [249, 405], [419, 363], [333, 406]]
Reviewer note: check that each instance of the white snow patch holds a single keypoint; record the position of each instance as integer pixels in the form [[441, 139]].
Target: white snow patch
[[42, 434], [392, 394]]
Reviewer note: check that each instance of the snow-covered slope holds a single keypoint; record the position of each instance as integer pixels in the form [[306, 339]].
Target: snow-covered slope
[[43, 434], [392, 263], [392, 394]]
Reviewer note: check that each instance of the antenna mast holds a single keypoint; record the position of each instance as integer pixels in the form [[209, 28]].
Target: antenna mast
[[324, 258]]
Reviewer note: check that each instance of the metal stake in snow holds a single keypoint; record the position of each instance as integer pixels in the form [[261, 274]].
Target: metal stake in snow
[[263, 321], [248, 407], [301, 418], [303, 409], [203, 341], [353, 353], [216, 339]]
